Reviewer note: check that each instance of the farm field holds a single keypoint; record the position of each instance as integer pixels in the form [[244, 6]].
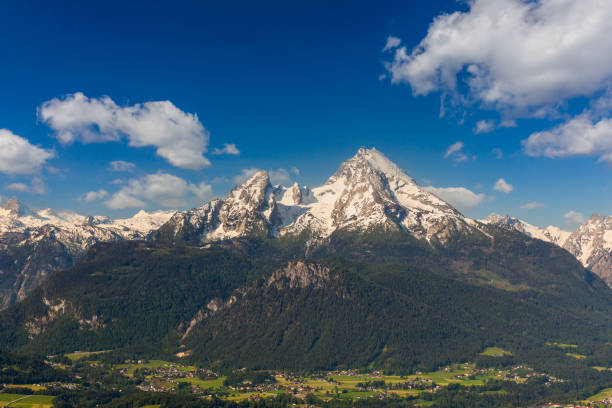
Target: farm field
[[26, 401]]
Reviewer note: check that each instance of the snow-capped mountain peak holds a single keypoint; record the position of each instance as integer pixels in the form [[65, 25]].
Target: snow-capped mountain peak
[[591, 244], [368, 190]]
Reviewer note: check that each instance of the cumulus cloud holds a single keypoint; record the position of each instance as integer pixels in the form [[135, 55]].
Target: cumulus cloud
[[19, 156], [160, 188], [532, 205], [484, 126], [502, 186], [581, 135], [228, 148], [521, 57], [36, 186], [573, 218], [123, 199], [120, 165], [94, 195], [392, 43], [460, 197], [178, 137], [455, 152]]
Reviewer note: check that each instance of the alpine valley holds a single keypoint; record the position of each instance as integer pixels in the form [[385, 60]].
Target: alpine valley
[[368, 271]]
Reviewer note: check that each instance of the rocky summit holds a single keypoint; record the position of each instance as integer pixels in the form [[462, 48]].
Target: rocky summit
[[367, 191]]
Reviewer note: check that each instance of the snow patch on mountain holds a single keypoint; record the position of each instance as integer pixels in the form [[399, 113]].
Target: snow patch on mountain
[[367, 191]]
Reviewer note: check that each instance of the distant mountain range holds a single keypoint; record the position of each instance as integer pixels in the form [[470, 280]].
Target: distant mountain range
[[368, 269], [590, 243], [34, 243]]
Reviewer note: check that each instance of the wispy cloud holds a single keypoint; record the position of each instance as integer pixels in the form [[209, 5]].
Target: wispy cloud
[[484, 126], [572, 218], [392, 43], [455, 152], [94, 195], [532, 205], [228, 148], [36, 186], [120, 165]]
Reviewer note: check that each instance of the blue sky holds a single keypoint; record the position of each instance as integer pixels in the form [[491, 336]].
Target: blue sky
[[303, 86]]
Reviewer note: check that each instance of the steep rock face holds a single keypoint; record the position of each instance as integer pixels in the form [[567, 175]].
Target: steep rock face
[[294, 275], [591, 244], [367, 191], [34, 243], [250, 209]]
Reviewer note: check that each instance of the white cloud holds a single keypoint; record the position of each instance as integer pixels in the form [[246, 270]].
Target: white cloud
[[392, 43], [18, 156], [503, 186], [279, 176], [179, 137], [498, 152], [228, 148], [460, 197], [95, 195], [122, 199], [484, 126], [532, 205], [37, 186], [573, 218], [18, 187], [579, 136], [159, 188], [521, 57], [120, 165], [244, 175], [455, 152]]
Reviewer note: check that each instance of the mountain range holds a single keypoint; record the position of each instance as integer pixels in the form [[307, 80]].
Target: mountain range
[[368, 269], [590, 243], [34, 243], [367, 190]]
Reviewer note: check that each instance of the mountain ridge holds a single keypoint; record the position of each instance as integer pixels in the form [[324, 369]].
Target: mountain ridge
[[34, 243], [590, 243], [367, 190], [378, 272]]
